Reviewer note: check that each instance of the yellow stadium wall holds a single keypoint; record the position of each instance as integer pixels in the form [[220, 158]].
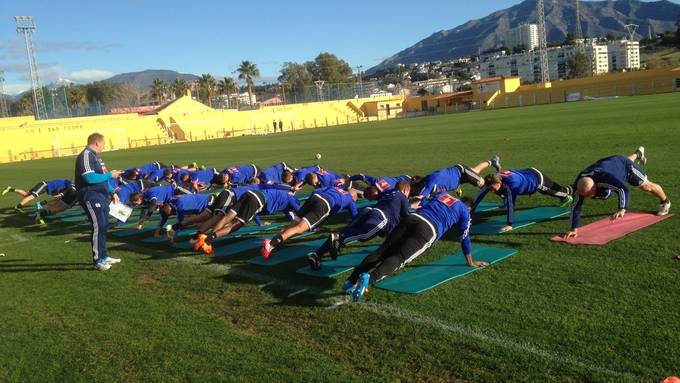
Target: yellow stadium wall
[[24, 138], [608, 85]]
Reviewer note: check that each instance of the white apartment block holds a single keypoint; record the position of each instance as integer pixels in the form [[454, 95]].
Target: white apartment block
[[526, 34], [527, 65], [624, 55]]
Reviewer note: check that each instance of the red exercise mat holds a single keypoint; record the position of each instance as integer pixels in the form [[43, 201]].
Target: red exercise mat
[[605, 230]]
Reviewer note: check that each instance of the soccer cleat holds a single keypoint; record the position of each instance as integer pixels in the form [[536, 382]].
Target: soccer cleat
[[266, 249], [496, 162], [207, 248], [567, 201], [362, 286], [6, 190], [348, 287], [200, 241], [102, 266], [335, 245], [111, 260], [314, 261], [641, 155], [170, 233], [664, 208]]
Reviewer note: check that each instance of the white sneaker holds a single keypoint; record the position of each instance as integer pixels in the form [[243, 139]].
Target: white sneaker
[[111, 260], [102, 266], [664, 208], [169, 232], [641, 155]]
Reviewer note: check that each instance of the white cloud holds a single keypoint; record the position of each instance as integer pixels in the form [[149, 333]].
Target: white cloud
[[13, 89], [89, 75]]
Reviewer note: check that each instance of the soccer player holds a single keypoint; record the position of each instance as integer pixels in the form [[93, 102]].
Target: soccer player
[[510, 183], [411, 238], [322, 203], [253, 203], [450, 179], [198, 206], [324, 178], [241, 175], [378, 220], [208, 178], [52, 188], [93, 194], [151, 199], [299, 175], [159, 176], [379, 185], [274, 174], [609, 176], [56, 204]]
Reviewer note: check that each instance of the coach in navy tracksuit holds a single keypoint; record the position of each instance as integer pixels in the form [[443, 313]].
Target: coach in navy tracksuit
[[91, 180]]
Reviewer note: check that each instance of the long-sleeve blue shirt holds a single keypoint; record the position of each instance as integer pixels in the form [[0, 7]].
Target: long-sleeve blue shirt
[[441, 180], [338, 199], [280, 200], [610, 175], [57, 186], [188, 204], [514, 183], [328, 178], [383, 184], [241, 174], [446, 211], [300, 174], [125, 191], [273, 173]]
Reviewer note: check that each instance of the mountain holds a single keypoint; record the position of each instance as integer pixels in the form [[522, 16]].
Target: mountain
[[597, 19], [144, 79]]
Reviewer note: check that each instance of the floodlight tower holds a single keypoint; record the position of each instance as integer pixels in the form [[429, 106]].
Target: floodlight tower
[[542, 43], [26, 26], [631, 29], [4, 112], [579, 32]]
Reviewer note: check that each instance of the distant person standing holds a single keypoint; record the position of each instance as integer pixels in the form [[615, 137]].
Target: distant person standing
[[91, 178], [280, 126], [274, 123]]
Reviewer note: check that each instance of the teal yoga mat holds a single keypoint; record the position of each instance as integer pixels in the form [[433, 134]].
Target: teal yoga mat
[[522, 218], [132, 232], [246, 244], [487, 206], [287, 253], [344, 263], [424, 277], [248, 230]]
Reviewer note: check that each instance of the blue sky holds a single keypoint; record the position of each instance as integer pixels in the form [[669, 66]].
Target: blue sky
[[92, 40]]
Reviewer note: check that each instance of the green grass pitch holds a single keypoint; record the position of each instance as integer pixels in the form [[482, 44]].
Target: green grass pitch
[[553, 312]]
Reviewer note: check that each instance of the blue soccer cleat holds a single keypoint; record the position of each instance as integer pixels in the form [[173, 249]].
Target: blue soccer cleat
[[362, 286], [348, 287]]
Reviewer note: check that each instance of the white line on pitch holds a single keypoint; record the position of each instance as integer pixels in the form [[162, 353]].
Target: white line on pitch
[[294, 293], [262, 286]]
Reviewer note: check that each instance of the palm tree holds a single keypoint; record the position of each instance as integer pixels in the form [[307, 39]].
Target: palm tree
[[179, 86], [227, 86], [159, 89], [207, 82], [248, 71]]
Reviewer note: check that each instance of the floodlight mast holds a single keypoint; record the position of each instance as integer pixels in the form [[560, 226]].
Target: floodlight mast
[[26, 26]]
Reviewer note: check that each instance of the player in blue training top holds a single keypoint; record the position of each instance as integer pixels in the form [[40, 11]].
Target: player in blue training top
[[208, 179], [451, 178], [198, 206], [411, 238], [609, 176], [378, 220], [299, 175], [510, 183], [254, 202], [56, 203], [322, 203], [325, 178], [275, 174], [153, 198], [379, 185], [52, 188], [91, 179], [241, 175]]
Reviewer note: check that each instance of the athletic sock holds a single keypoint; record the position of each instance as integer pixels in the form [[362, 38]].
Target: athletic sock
[[277, 240]]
